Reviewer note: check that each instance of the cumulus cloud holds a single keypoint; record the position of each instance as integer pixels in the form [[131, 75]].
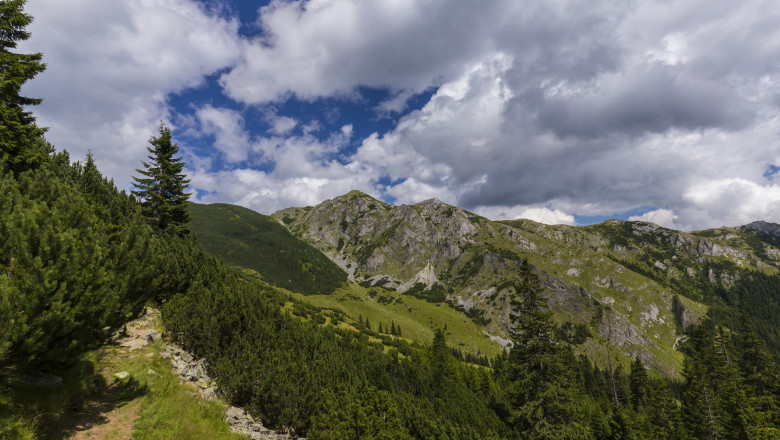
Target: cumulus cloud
[[630, 110], [300, 170], [732, 201], [662, 217], [106, 84], [282, 124], [540, 109], [541, 214], [412, 191], [269, 192], [227, 128], [325, 48]]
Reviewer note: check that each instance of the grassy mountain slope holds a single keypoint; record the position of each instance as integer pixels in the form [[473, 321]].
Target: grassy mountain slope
[[245, 238], [616, 282]]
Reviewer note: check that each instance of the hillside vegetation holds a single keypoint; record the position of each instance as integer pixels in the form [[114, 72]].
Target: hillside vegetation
[[244, 238]]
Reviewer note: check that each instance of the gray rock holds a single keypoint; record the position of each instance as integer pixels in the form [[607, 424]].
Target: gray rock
[[209, 393], [765, 227], [122, 375], [152, 336]]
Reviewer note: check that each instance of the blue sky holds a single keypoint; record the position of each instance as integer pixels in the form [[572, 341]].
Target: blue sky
[[561, 112]]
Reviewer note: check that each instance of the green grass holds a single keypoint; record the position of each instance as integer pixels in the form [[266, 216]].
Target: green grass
[[418, 318], [171, 412], [247, 239]]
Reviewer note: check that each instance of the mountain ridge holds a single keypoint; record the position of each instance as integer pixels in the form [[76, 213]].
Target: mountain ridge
[[627, 272]]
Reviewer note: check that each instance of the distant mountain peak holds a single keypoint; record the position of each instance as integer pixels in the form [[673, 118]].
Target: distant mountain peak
[[355, 193], [432, 201], [766, 227]]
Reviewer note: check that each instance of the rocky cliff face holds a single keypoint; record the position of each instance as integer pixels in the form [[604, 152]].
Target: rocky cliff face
[[616, 278]]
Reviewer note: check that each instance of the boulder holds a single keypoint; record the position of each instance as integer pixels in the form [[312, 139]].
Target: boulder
[[152, 336]]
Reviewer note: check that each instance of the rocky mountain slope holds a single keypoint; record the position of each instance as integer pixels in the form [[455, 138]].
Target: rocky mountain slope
[[626, 288]]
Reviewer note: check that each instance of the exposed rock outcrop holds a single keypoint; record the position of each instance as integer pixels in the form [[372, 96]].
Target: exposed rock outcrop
[[194, 371]]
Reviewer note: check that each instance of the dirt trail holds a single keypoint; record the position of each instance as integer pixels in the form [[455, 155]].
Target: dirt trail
[[99, 423], [112, 414]]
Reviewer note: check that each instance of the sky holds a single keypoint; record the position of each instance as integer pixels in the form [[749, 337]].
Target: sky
[[559, 111]]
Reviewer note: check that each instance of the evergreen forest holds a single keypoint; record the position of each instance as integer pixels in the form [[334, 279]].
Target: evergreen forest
[[80, 258]]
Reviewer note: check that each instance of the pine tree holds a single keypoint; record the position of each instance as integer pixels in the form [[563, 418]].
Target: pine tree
[[756, 363], [380, 327], [392, 328], [532, 327], [66, 284], [441, 365], [161, 189], [21, 141], [760, 382], [638, 383], [544, 402], [700, 407], [730, 390]]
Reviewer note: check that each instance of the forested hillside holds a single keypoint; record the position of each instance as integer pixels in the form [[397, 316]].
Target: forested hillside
[[253, 241]]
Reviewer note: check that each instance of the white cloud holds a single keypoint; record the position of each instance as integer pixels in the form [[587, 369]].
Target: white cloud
[[731, 201], [267, 193], [663, 217], [227, 127], [111, 66], [328, 47], [301, 170], [282, 124], [412, 191], [442, 144], [539, 214]]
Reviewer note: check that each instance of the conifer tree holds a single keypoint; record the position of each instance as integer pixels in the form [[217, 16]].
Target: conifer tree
[[161, 187], [541, 388], [760, 383], [730, 389], [700, 407], [638, 383], [21, 141], [756, 363], [441, 365]]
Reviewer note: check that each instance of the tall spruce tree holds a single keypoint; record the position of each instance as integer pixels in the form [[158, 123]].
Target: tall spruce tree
[[21, 141], [701, 408], [541, 390], [161, 187]]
